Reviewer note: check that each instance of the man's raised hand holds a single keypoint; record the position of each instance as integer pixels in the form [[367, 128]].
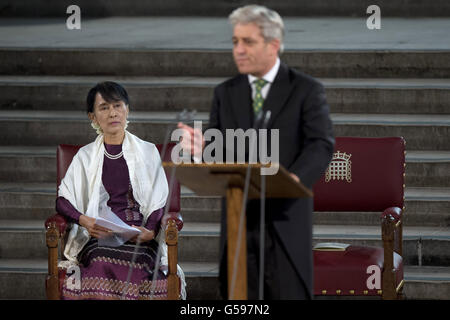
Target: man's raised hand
[[192, 140]]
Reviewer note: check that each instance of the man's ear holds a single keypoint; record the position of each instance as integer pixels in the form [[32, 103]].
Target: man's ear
[[275, 45]]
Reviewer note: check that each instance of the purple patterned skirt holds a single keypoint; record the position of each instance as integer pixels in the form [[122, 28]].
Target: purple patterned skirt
[[104, 272]]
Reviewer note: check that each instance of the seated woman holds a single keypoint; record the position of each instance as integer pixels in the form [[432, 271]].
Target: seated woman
[[121, 173]]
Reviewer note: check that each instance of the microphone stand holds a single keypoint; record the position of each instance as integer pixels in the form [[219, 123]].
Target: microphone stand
[[262, 222], [243, 207]]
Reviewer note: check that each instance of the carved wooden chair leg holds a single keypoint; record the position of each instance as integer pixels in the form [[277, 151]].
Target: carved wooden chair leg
[[389, 288], [52, 280], [173, 282], [399, 244]]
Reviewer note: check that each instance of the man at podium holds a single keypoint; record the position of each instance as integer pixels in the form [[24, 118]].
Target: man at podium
[[300, 112]]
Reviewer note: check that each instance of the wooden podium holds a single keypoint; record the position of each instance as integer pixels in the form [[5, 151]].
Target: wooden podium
[[229, 180]]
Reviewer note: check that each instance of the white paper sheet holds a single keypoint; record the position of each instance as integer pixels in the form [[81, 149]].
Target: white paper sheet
[[122, 232]]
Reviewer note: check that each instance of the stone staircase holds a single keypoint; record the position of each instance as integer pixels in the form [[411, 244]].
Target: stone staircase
[[221, 8], [372, 93]]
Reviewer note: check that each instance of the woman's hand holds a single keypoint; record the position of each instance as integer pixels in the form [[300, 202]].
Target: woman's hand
[[94, 230], [144, 236]]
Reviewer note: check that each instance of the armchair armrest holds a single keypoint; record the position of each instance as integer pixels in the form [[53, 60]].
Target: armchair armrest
[[393, 213], [392, 228], [175, 217], [58, 221]]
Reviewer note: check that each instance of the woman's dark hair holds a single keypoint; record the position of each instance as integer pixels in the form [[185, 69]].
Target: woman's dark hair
[[110, 91]]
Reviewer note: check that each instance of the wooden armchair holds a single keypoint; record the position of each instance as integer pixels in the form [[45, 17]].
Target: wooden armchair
[[365, 175], [57, 229]]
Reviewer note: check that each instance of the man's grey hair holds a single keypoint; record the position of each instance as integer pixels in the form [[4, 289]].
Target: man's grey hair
[[269, 21]]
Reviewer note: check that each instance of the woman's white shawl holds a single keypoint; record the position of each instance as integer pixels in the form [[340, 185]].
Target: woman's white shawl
[[82, 184]]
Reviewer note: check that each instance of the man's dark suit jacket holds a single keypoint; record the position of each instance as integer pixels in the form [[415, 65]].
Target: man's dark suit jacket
[[301, 113]]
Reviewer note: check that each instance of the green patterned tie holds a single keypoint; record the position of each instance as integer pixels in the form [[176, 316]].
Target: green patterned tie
[[258, 100]]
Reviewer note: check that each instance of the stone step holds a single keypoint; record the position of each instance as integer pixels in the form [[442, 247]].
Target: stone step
[[22, 239], [427, 282], [327, 63], [28, 164], [421, 245], [408, 126], [29, 201], [427, 169], [36, 201], [19, 163], [221, 8], [44, 128], [25, 279], [68, 93]]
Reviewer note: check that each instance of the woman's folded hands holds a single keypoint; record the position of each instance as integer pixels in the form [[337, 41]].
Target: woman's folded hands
[[94, 229], [144, 236], [100, 232]]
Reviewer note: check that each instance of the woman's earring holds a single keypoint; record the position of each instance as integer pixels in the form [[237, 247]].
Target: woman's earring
[[96, 127]]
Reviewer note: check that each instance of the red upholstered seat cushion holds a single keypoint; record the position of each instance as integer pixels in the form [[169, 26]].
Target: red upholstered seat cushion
[[347, 270]]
